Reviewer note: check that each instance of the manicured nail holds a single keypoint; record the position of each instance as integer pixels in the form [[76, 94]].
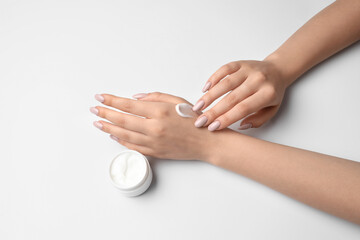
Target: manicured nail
[[94, 110], [99, 98], [114, 138], [200, 121], [98, 125], [140, 95], [206, 87], [245, 126], [198, 105], [215, 125]]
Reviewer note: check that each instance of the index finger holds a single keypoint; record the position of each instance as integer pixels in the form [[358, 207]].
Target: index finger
[[140, 108], [222, 72]]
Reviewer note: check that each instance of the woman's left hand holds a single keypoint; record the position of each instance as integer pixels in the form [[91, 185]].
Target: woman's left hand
[[152, 126]]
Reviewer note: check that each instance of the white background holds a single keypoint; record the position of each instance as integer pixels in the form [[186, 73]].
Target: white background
[[55, 55]]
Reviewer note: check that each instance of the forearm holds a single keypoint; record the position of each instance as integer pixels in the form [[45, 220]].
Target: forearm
[[331, 30], [324, 182]]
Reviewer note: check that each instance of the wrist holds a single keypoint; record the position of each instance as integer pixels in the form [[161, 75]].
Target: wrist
[[214, 146], [285, 67], [205, 146]]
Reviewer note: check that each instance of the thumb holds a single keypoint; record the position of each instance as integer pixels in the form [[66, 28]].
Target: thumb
[[258, 119], [159, 97]]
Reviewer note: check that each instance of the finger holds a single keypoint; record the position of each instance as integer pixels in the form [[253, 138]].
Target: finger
[[160, 97], [226, 104], [140, 108], [227, 84], [226, 69], [123, 120], [121, 133], [250, 105], [258, 119], [143, 150]]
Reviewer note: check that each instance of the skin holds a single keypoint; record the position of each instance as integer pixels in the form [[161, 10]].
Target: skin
[[158, 132], [328, 183], [151, 126], [258, 87]]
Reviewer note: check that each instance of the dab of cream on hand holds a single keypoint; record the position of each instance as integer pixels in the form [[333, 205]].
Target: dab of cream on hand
[[185, 110], [130, 172]]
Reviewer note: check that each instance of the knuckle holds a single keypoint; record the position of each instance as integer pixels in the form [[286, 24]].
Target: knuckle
[[110, 100], [228, 82], [207, 98], [211, 114], [227, 67], [270, 93], [158, 130], [245, 66], [244, 108], [233, 64], [246, 87], [125, 136], [225, 119], [230, 99], [121, 122], [127, 105], [259, 77], [162, 112]]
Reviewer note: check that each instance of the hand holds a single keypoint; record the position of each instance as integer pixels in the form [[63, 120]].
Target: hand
[[256, 87], [152, 126]]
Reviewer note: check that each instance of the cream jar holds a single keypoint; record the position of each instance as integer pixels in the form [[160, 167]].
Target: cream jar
[[131, 173]]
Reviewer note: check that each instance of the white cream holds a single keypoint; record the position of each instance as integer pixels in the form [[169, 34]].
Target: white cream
[[185, 110], [130, 172]]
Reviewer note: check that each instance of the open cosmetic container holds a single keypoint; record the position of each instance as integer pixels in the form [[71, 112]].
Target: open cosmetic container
[[131, 173]]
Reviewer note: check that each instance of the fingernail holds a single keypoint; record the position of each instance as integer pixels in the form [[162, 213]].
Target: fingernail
[[198, 105], [200, 121], [94, 110], [206, 87], [114, 138], [140, 95], [98, 125], [99, 98], [245, 126], [215, 125]]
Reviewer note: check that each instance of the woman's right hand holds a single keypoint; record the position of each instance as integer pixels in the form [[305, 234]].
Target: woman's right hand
[[256, 88]]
